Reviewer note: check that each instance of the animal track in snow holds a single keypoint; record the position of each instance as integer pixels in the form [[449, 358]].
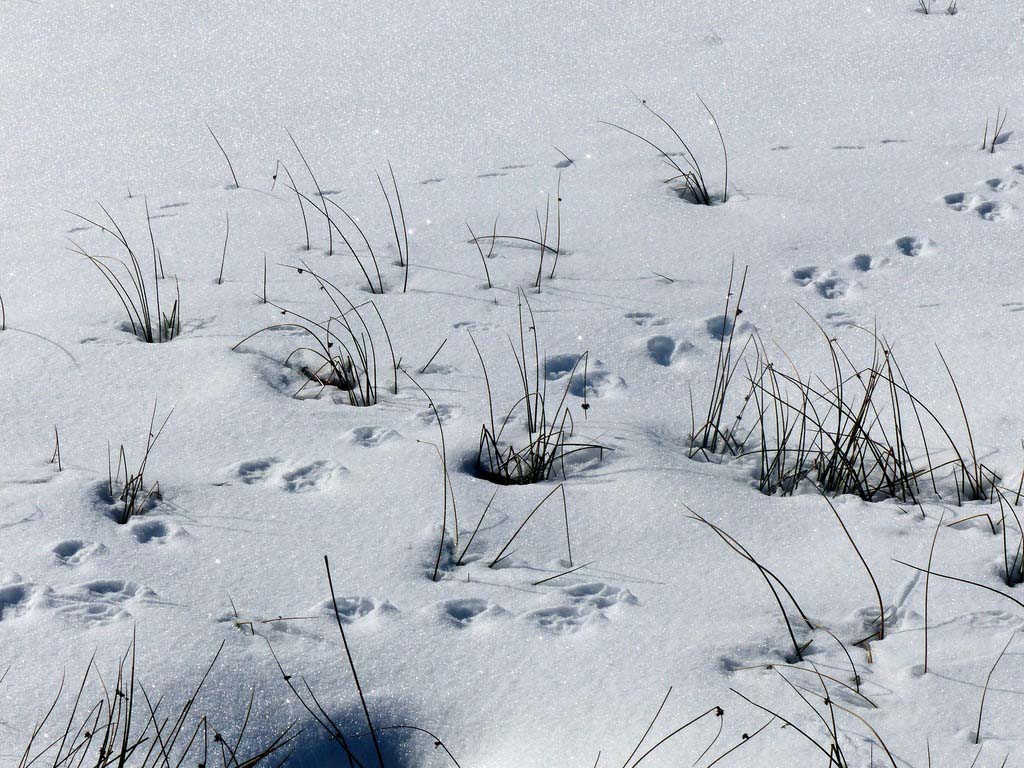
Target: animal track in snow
[[310, 477], [661, 349], [590, 379], [75, 551], [255, 470], [371, 437], [989, 210], [1000, 185], [720, 326], [840, 320], [804, 275], [154, 531], [303, 478], [994, 210], [600, 596], [914, 246], [664, 350], [16, 599], [462, 612], [988, 619], [444, 412], [472, 325], [353, 609], [960, 201], [644, 319], [836, 283], [561, 619], [584, 604], [828, 284], [862, 262], [102, 599]]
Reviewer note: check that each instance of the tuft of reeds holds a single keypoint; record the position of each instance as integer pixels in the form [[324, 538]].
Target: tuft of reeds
[[118, 722], [714, 435], [476, 530], [342, 350], [490, 251], [548, 240], [565, 512], [298, 196], [142, 305], [379, 287], [925, 7], [322, 208], [127, 487], [858, 424], [1013, 556], [688, 177], [401, 243], [857, 429], [780, 434], [373, 287], [324, 205], [988, 144], [550, 432]]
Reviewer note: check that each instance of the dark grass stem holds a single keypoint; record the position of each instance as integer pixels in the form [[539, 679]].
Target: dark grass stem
[[298, 198], [927, 585], [55, 458], [988, 679], [320, 192], [446, 486], [227, 159], [224, 252], [352, 666], [867, 568], [522, 525]]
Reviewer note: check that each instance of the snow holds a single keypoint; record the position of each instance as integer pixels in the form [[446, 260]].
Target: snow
[[856, 191]]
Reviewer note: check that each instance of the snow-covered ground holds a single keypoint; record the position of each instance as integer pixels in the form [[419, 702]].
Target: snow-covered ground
[[857, 192]]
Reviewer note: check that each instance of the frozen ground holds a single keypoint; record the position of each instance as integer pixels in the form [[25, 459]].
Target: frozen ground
[[857, 190]]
